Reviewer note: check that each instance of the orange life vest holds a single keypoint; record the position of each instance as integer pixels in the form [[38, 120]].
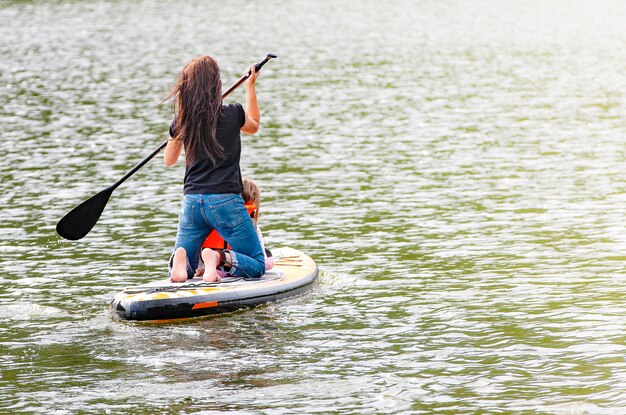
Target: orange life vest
[[215, 240]]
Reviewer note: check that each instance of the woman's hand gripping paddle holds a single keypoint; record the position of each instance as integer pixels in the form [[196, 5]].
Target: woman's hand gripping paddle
[[80, 220]]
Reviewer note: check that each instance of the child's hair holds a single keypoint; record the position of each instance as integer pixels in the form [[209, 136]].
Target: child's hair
[[252, 193]]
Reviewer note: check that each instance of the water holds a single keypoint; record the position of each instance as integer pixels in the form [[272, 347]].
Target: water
[[455, 168]]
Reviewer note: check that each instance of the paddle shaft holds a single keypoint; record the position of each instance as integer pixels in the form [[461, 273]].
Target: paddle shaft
[[161, 146]]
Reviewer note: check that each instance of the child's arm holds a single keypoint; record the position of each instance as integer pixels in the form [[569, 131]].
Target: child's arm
[[260, 235], [269, 261]]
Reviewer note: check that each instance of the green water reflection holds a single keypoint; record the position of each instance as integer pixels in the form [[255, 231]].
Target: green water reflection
[[455, 169]]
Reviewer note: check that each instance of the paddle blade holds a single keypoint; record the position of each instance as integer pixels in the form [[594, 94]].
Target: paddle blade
[[80, 220]]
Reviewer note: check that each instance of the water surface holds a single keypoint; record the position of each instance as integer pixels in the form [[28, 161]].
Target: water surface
[[455, 168]]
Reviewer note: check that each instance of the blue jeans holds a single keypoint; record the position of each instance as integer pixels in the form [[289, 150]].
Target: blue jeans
[[201, 213]]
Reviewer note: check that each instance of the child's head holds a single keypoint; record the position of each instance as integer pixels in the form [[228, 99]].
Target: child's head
[[252, 193]]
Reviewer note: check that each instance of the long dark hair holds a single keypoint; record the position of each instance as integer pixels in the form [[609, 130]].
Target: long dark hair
[[197, 101]]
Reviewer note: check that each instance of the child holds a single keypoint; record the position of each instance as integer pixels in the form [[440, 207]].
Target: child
[[251, 195]]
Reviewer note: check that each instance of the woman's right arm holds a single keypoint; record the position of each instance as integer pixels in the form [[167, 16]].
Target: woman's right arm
[[172, 152], [253, 114]]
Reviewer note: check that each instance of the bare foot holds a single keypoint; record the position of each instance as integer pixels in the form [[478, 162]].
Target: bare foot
[[179, 266], [211, 260]]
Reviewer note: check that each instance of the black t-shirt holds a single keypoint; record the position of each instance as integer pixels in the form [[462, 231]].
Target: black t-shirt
[[223, 176]]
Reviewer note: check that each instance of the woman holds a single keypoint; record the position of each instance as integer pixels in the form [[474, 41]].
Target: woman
[[209, 131]]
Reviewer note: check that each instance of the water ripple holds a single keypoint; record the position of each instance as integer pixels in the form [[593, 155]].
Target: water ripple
[[455, 168]]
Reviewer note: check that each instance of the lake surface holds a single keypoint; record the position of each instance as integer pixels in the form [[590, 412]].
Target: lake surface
[[456, 169]]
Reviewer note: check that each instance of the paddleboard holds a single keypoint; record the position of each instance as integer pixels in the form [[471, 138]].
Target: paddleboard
[[162, 301]]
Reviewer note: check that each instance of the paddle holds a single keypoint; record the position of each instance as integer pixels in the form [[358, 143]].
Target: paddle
[[80, 220]]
